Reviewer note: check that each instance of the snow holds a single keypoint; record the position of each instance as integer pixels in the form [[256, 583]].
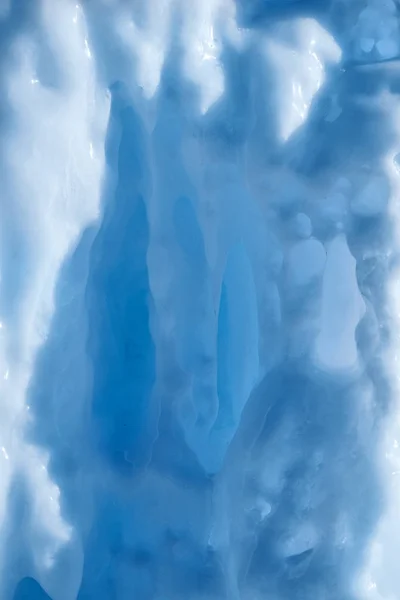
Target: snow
[[199, 300]]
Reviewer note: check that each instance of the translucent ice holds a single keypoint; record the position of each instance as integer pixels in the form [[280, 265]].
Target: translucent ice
[[341, 311], [199, 300]]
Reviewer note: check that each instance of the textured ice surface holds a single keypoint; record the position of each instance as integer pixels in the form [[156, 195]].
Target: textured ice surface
[[199, 300]]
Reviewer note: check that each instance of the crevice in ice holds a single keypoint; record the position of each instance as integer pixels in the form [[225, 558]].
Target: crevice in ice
[[119, 300]]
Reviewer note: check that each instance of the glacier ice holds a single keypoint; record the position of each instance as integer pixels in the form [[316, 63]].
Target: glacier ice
[[199, 300]]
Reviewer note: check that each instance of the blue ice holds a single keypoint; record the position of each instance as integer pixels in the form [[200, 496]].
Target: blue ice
[[199, 300]]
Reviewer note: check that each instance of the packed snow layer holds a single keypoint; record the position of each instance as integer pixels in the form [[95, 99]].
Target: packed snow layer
[[199, 300]]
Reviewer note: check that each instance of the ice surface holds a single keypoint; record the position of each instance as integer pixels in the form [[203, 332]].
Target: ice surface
[[341, 311], [199, 300]]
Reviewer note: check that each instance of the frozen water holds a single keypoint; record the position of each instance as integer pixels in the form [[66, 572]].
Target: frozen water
[[199, 300], [341, 311]]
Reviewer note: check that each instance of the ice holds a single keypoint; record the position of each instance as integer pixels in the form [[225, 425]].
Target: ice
[[199, 300], [372, 199], [306, 262], [302, 225], [388, 48], [376, 31], [299, 69], [342, 310]]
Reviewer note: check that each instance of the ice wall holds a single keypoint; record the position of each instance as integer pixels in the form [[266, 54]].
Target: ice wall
[[199, 300]]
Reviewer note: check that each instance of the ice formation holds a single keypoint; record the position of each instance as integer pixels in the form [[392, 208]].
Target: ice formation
[[199, 300]]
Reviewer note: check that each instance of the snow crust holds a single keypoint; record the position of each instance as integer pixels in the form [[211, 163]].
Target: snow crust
[[199, 300]]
